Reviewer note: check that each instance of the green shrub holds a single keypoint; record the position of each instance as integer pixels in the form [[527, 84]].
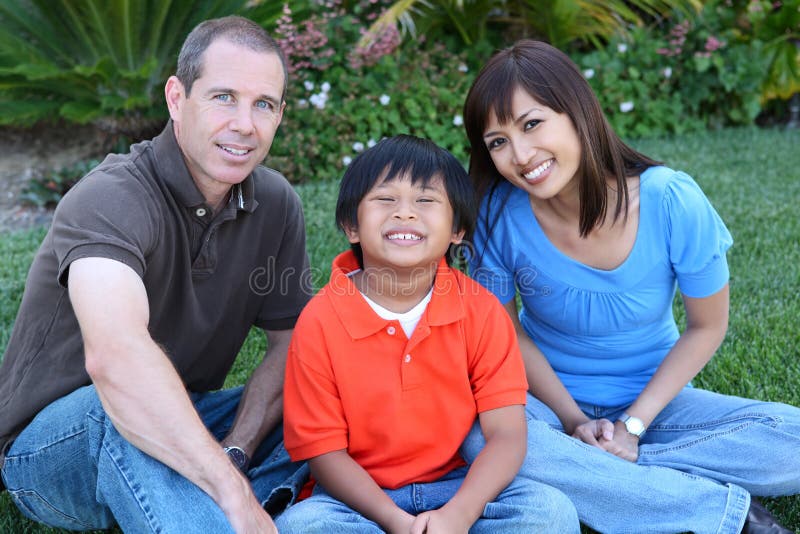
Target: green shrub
[[678, 77], [87, 60], [344, 97]]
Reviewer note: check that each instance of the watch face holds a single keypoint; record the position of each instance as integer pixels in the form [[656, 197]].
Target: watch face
[[237, 456], [634, 426]]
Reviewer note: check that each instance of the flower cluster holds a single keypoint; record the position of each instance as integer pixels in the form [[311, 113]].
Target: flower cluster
[[677, 40], [305, 48], [374, 45]]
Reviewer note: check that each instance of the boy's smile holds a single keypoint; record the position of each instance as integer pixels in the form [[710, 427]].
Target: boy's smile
[[403, 225]]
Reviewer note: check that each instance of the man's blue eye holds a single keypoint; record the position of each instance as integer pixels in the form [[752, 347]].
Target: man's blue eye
[[223, 98]]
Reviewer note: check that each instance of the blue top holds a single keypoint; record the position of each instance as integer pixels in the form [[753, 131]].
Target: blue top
[[605, 332]]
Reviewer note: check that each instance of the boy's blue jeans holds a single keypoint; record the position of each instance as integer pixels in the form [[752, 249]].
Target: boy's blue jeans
[[70, 468], [698, 464], [524, 506]]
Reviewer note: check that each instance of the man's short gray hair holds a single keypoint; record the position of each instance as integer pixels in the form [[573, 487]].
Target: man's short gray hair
[[237, 30]]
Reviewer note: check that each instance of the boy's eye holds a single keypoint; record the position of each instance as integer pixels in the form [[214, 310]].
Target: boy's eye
[[425, 199], [385, 199]]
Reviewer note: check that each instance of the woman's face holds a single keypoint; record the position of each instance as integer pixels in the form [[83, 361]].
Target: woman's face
[[537, 150]]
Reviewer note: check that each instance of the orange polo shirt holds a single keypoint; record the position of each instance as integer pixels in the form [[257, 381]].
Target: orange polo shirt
[[401, 407]]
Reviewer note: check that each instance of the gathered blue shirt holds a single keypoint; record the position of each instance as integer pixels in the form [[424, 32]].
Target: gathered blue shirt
[[605, 332]]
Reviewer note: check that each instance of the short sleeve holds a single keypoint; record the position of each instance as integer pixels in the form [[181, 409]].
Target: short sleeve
[[697, 238], [497, 372], [313, 415], [108, 214], [284, 304], [488, 263]]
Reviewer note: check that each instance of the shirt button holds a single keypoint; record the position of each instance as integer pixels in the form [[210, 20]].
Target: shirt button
[[407, 359], [200, 212], [390, 330]]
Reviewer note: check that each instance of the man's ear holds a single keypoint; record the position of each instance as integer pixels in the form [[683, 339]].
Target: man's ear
[[175, 95], [351, 232]]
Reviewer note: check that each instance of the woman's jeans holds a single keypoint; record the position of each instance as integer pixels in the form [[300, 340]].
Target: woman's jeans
[[70, 468], [525, 506], [698, 463]]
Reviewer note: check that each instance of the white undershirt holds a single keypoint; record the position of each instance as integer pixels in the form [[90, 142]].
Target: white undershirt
[[408, 320]]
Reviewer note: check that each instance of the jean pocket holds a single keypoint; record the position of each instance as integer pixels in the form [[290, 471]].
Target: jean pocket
[[35, 507]]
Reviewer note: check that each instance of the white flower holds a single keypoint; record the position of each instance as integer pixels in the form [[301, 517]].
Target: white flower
[[318, 100], [667, 72], [458, 120], [371, 143], [347, 160], [302, 103], [626, 106], [308, 85], [358, 146], [622, 48], [588, 74], [384, 100], [325, 87], [463, 68]]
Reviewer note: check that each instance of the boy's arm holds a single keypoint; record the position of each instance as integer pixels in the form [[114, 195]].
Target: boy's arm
[[495, 467], [348, 482]]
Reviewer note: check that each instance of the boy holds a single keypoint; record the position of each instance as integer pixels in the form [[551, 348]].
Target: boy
[[395, 357]]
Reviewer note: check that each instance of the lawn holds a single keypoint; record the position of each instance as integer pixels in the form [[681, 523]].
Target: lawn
[[753, 179]]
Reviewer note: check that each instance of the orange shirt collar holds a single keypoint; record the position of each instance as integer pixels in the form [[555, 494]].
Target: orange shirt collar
[[361, 321]]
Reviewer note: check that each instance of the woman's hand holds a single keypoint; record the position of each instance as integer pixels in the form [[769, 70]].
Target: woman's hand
[[622, 444], [594, 431]]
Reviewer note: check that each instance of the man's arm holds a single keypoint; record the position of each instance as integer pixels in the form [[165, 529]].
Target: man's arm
[[261, 407], [495, 467], [142, 393], [345, 480]]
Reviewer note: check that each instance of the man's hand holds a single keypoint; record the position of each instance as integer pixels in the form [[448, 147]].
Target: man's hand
[[622, 444], [594, 432], [244, 512]]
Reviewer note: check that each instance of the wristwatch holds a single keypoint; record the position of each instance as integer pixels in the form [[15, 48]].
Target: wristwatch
[[238, 457], [633, 425]]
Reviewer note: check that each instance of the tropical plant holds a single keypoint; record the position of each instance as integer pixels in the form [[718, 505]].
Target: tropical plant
[[94, 60], [560, 22]]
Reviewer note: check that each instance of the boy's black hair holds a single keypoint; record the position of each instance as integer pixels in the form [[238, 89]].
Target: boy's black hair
[[406, 155]]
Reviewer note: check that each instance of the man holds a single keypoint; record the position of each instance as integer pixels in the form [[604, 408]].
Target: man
[[156, 266]]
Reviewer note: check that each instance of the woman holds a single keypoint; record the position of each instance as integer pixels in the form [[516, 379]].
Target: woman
[[594, 237]]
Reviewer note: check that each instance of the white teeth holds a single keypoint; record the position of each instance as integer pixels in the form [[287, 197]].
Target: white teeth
[[233, 151], [535, 173], [411, 237]]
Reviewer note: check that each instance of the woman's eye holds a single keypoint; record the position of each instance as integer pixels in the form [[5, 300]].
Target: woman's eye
[[531, 123], [494, 143]]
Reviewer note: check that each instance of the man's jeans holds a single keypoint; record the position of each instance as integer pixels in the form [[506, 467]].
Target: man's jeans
[[698, 463], [524, 506], [70, 468]]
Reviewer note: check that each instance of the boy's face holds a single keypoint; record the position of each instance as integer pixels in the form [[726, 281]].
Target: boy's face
[[401, 225]]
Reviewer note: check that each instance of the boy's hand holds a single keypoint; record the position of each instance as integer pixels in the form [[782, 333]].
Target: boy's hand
[[440, 521]]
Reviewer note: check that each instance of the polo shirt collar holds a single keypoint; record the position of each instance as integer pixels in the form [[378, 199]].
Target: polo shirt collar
[[361, 321], [174, 172]]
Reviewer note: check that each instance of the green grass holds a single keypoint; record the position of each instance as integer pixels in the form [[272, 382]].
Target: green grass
[[753, 179]]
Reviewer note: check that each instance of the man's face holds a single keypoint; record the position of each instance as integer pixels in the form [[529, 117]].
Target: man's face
[[225, 127]]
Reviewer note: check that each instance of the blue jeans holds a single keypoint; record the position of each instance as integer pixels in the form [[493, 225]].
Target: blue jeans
[[524, 506], [71, 469], [698, 463]]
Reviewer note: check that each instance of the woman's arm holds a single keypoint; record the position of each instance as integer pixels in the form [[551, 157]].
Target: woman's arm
[[706, 324], [543, 382], [350, 483]]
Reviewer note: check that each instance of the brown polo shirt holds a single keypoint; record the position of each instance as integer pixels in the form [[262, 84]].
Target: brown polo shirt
[[209, 277]]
